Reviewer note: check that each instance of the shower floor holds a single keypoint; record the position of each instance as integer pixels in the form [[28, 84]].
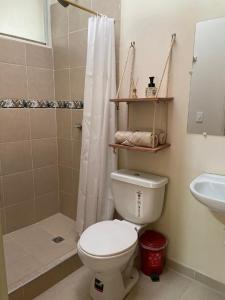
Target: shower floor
[[31, 251]]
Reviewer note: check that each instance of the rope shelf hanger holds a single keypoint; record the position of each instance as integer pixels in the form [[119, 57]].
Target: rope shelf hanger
[[166, 67]]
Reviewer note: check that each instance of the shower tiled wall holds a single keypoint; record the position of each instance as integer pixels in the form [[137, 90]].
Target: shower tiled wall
[[69, 36], [69, 146], [28, 137]]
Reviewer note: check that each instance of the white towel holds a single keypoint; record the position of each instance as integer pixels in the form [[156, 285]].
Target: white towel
[[145, 139], [140, 138], [124, 138], [161, 136]]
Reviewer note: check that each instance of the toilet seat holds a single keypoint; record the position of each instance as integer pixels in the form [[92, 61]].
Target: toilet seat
[[108, 238]]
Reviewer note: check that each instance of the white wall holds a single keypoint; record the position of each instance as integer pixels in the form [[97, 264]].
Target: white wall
[[196, 236]]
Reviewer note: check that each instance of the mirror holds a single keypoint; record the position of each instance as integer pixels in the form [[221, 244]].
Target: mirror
[[207, 95]]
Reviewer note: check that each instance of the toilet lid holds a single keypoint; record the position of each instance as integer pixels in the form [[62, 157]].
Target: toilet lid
[[108, 238]]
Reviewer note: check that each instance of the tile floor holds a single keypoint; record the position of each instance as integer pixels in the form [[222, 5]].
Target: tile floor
[[30, 251], [173, 286]]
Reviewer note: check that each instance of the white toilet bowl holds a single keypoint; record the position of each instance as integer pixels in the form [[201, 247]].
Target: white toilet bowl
[[108, 263], [107, 248]]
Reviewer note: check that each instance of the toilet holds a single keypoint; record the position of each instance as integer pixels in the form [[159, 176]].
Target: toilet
[[108, 248]]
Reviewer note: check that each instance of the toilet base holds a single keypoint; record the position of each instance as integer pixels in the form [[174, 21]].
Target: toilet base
[[112, 286]]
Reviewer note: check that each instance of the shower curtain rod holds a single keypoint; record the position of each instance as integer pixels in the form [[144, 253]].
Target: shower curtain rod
[[68, 2]]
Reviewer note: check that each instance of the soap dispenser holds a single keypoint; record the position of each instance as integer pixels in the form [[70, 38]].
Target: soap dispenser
[[151, 90]]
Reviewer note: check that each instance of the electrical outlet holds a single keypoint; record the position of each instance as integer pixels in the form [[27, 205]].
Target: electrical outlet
[[199, 117]]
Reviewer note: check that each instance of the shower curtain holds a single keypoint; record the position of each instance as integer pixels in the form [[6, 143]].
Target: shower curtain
[[95, 201]]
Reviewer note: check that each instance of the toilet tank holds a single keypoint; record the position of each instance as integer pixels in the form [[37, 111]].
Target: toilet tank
[[138, 196]]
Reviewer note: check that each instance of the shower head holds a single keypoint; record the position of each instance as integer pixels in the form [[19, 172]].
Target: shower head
[[63, 3]]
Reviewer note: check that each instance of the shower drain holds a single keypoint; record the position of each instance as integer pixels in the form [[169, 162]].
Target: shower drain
[[58, 239]]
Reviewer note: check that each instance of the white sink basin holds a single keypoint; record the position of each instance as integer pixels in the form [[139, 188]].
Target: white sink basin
[[209, 189]]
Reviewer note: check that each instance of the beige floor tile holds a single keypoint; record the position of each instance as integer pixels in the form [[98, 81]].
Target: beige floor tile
[[74, 287], [13, 252], [201, 292], [172, 286], [18, 270], [30, 251], [39, 243], [59, 224]]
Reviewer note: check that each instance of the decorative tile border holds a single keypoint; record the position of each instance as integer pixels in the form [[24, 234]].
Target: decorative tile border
[[23, 103]]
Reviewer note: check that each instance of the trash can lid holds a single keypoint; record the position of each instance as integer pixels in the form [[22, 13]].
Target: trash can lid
[[153, 240]]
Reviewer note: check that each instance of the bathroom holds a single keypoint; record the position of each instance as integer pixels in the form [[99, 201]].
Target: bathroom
[[43, 67]]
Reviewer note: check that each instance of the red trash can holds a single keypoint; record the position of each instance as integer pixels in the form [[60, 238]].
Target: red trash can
[[153, 252]]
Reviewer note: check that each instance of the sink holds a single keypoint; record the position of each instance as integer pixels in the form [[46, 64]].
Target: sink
[[209, 189]]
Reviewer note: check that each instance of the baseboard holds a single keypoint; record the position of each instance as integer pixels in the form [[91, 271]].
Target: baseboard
[[216, 285]]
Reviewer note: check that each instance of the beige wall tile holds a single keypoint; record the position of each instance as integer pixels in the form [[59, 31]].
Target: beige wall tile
[[18, 188], [17, 216], [44, 152], [62, 84], [66, 179], [16, 157], [76, 154], [40, 83], [77, 82], [78, 48], [77, 18], [2, 220], [77, 118], [13, 81], [1, 192], [39, 56], [17, 295], [12, 52], [69, 266], [61, 53], [46, 180], [64, 123], [76, 174], [111, 8], [46, 205], [14, 125], [68, 205], [65, 152], [27, 264], [59, 20], [43, 123], [50, 278]]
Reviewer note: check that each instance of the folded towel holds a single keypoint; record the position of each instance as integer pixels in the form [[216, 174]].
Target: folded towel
[[145, 139], [161, 136], [124, 138], [140, 138]]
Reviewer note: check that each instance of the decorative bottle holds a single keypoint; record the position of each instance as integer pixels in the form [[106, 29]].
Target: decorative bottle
[[151, 90]]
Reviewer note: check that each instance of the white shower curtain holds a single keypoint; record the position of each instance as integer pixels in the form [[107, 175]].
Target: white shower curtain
[[97, 159]]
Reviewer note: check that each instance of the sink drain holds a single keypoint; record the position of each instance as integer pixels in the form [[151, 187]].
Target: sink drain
[[58, 239]]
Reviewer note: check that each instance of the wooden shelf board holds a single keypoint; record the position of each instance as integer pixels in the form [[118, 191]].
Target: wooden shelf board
[[142, 100], [140, 149]]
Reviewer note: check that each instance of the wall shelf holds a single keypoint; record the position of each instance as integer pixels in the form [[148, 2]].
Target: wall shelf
[[140, 149], [156, 100], [142, 100]]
